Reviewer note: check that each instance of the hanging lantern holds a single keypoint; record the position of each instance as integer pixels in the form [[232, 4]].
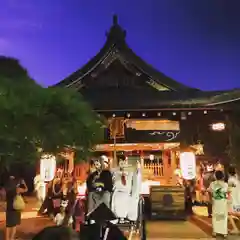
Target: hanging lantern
[[47, 167], [183, 116], [219, 167], [151, 157], [188, 165]]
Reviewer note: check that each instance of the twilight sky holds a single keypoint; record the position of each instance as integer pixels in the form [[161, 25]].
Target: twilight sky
[[196, 42]]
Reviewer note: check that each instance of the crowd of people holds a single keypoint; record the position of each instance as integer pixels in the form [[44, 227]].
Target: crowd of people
[[215, 187], [60, 199], [62, 203], [219, 190]]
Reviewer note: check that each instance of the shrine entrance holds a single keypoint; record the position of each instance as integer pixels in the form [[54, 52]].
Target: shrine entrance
[[158, 160]]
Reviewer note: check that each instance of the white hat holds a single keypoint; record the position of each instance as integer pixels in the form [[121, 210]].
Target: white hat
[[104, 159]]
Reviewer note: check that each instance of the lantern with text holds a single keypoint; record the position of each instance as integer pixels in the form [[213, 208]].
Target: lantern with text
[[47, 167], [188, 165]]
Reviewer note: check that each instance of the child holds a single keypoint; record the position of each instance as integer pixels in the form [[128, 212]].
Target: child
[[59, 218]]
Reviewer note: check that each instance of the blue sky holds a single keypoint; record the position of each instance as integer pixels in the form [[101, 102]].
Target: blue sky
[[196, 42]]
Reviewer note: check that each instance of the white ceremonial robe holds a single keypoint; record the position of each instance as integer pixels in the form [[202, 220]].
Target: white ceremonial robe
[[121, 194], [234, 194], [126, 197]]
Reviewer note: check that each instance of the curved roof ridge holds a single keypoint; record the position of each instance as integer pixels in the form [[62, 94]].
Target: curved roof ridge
[[116, 39]]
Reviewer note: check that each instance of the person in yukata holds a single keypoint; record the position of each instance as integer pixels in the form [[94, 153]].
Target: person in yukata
[[99, 184], [126, 191], [208, 178], [234, 198], [219, 192], [178, 176], [188, 197], [199, 188]]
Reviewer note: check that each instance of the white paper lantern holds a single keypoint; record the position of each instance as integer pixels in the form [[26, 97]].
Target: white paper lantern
[[188, 165], [47, 167], [151, 157]]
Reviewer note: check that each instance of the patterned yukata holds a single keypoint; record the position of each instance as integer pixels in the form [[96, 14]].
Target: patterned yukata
[[219, 191]]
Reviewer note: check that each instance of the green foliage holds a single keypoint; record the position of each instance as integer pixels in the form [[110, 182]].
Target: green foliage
[[49, 118]]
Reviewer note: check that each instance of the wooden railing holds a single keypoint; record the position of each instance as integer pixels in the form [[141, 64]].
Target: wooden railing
[[154, 169]]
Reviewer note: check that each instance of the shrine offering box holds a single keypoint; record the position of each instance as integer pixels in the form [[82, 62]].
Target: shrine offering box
[[167, 202]]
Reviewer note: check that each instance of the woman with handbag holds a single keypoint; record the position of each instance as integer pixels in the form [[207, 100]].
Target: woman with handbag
[[15, 204]]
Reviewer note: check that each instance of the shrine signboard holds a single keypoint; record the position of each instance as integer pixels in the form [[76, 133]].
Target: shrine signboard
[[167, 202]]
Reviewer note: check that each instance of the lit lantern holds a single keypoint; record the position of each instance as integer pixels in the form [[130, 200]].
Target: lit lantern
[[219, 167], [151, 157], [47, 167], [188, 165], [218, 126]]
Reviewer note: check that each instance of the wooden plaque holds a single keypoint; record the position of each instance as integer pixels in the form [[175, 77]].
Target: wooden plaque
[[116, 126]]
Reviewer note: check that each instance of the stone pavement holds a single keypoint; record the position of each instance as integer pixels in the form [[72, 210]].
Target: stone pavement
[[174, 230], [158, 230], [29, 212], [198, 227], [29, 227], [200, 218]]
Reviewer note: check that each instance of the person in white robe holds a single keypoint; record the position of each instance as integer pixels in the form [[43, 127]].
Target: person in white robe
[[219, 193], [234, 198], [40, 188], [127, 187]]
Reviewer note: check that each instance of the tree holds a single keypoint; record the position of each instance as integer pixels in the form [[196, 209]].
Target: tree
[[34, 117]]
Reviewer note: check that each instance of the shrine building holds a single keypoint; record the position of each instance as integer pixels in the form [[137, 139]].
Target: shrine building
[[151, 116]]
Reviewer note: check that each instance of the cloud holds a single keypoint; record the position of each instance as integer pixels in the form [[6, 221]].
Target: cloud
[[19, 15], [4, 44], [19, 25], [16, 4], [14, 24]]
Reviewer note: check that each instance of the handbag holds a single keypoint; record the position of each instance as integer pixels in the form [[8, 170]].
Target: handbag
[[18, 203]]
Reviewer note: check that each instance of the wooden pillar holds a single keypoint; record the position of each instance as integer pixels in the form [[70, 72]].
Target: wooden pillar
[[113, 164], [142, 160], [71, 161], [173, 160], [173, 167], [185, 134], [166, 166]]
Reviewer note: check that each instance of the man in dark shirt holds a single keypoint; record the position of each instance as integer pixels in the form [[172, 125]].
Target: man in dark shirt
[[13, 217], [99, 184]]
